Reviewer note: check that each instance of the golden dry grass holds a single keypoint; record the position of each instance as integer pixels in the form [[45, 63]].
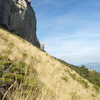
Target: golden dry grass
[[57, 79]]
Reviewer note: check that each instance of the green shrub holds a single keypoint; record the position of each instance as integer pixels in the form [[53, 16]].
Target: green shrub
[[22, 64], [65, 79], [93, 95], [17, 69], [7, 81], [73, 76], [97, 89], [11, 72], [83, 82], [1, 73], [9, 75], [25, 55]]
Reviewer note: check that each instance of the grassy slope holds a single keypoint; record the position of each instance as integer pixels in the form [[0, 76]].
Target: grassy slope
[[57, 81], [90, 75]]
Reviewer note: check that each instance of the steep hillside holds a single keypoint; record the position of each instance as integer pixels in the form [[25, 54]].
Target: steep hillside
[[90, 75], [46, 78]]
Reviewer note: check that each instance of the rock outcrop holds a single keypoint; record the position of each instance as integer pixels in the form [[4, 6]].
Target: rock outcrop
[[19, 17]]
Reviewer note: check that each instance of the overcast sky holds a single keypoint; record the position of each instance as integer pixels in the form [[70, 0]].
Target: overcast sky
[[70, 29]]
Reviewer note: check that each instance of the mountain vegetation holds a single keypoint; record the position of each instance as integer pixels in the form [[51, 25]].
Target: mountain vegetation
[[28, 73], [90, 75]]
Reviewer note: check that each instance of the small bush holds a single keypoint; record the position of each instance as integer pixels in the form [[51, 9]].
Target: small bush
[[65, 79], [22, 64], [97, 89], [25, 55], [93, 95], [16, 69], [73, 76], [11, 73], [83, 82], [7, 81], [1, 73]]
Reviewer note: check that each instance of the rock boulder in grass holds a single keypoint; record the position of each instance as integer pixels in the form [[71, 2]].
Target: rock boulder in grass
[[19, 17]]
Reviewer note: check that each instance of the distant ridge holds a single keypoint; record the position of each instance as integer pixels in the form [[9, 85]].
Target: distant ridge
[[93, 66]]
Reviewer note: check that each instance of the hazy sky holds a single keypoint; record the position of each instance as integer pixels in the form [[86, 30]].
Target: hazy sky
[[70, 29]]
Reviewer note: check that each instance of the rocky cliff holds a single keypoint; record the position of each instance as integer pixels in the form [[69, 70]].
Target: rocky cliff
[[19, 17]]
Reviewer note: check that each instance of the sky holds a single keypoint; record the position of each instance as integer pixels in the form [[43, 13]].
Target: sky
[[70, 29]]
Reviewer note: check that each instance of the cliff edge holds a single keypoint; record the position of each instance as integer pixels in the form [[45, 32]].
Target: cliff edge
[[19, 17]]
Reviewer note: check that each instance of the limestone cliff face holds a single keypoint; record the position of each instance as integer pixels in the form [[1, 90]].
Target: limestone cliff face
[[19, 17]]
